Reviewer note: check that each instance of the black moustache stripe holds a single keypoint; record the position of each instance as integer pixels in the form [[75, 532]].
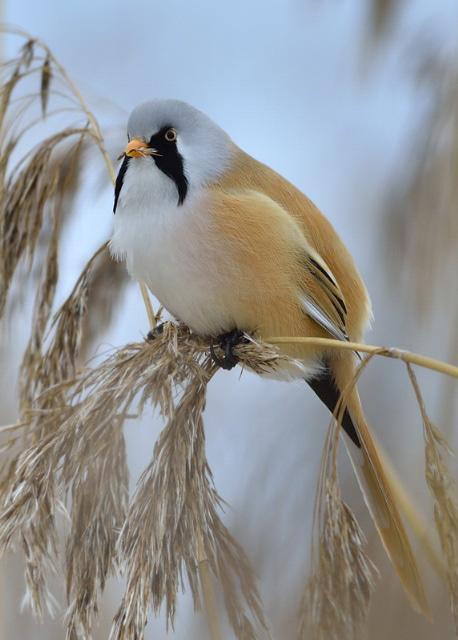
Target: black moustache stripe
[[170, 161], [120, 181], [172, 165]]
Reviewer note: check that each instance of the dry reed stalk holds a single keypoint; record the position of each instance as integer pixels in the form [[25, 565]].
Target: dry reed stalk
[[74, 442], [335, 603], [73, 434], [80, 435], [422, 220], [386, 352], [417, 520], [448, 401], [444, 491], [425, 243], [152, 319], [42, 183], [42, 370], [108, 280], [336, 573], [25, 196], [31, 207], [205, 577]]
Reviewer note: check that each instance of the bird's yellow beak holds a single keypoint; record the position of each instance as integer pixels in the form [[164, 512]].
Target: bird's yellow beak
[[136, 149], [139, 149]]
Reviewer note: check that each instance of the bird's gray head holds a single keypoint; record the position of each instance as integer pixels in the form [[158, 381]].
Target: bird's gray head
[[178, 140]]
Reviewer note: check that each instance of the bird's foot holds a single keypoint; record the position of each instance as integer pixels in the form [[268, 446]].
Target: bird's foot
[[227, 342], [156, 332]]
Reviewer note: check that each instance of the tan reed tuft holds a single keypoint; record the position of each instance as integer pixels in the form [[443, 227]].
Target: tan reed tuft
[[78, 453], [444, 491], [108, 280], [336, 601], [337, 596]]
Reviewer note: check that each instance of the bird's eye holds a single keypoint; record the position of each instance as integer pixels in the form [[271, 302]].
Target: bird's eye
[[170, 135]]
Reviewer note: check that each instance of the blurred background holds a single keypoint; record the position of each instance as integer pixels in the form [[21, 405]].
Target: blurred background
[[354, 101]]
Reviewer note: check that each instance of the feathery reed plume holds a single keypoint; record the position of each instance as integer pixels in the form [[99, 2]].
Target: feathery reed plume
[[99, 495], [40, 187], [28, 188], [426, 243], [421, 220], [175, 505], [443, 488], [73, 458], [32, 360], [81, 433], [36, 195], [335, 603], [25, 195], [40, 371], [43, 369], [33, 363], [107, 284]]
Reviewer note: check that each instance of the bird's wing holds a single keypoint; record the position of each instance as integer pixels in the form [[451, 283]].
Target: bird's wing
[[321, 296], [247, 216], [247, 173]]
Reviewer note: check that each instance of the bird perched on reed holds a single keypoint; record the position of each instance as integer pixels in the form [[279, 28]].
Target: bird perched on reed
[[228, 246]]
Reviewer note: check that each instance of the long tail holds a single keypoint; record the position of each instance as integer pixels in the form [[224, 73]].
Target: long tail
[[372, 479]]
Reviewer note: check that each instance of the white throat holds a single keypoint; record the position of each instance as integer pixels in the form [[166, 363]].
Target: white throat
[[167, 245]]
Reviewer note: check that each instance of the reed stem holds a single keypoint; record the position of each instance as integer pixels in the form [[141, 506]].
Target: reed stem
[[386, 352], [208, 593]]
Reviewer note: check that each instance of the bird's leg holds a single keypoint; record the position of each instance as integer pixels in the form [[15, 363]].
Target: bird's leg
[[156, 332], [227, 342]]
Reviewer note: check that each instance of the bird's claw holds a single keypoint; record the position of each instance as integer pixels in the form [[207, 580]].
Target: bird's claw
[[227, 342], [156, 332]]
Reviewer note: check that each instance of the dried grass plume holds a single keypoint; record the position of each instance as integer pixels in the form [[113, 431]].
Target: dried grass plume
[[65, 472]]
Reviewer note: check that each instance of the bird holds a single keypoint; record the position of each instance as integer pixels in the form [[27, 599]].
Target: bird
[[230, 247]]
